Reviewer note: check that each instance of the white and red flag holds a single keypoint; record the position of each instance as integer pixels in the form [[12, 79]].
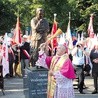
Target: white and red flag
[[5, 61], [90, 27], [69, 37], [54, 40], [17, 33]]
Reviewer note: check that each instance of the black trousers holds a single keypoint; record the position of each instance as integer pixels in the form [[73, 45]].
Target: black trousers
[[11, 69], [80, 75], [95, 76]]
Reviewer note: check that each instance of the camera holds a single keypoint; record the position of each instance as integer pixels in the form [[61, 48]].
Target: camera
[[9, 46], [78, 45]]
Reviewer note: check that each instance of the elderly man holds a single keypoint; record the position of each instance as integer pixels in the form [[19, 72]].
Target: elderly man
[[94, 61], [40, 28], [61, 72]]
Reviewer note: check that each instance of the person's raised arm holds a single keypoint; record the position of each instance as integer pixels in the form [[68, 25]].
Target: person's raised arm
[[74, 51]]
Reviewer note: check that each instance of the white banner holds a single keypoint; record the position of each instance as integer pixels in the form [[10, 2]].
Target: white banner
[[5, 61]]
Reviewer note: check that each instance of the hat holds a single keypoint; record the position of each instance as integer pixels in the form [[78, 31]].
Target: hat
[[25, 36]]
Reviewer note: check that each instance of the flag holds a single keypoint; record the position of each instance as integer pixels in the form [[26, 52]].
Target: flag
[[79, 37], [5, 61], [62, 39], [82, 37], [90, 26], [17, 35], [54, 40], [17, 40], [69, 37]]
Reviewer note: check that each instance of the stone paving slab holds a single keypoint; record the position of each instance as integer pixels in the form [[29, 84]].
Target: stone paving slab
[[14, 89]]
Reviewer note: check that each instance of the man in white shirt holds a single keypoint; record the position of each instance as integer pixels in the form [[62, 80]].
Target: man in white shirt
[[78, 61]]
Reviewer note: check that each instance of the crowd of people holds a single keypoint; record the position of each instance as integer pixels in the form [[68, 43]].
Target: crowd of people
[[17, 53], [83, 60], [63, 66]]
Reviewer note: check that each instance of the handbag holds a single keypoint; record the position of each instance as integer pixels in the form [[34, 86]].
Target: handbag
[[87, 68]]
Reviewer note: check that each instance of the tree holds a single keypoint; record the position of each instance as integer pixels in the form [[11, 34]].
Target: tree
[[61, 8], [80, 13], [85, 8], [10, 9], [23, 10], [7, 16]]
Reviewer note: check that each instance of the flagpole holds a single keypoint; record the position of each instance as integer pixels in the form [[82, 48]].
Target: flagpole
[[19, 70], [18, 12], [19, 65], [55, 16], [68, 34], [69, 15], [52, 52]]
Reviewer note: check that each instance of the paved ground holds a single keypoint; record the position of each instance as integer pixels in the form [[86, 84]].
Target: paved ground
[[88, 91], [14, 89]]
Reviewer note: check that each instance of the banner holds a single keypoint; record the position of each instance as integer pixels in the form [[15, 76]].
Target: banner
[[5, 61]]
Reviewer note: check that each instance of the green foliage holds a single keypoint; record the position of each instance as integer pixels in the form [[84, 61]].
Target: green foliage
[[85, 8], [80, 13], [6, 16], [61, 8]]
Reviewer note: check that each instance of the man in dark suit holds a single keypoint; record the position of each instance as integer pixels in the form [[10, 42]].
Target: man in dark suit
[[94, 61], [24, 53]]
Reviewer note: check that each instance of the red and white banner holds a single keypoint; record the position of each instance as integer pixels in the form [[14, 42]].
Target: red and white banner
[[5, 61]]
